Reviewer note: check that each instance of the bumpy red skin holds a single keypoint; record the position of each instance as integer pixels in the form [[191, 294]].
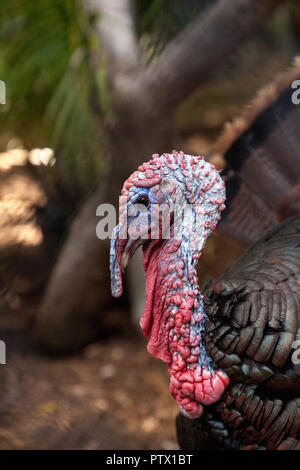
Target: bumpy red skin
[[173, 314], [172, 306]]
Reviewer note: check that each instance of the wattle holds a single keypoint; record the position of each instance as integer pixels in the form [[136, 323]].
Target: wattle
[[151, 322], [171, 321]]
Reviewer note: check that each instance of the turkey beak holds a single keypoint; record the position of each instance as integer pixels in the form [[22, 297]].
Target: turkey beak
[[121, 251], [124, 261], [129, 250]]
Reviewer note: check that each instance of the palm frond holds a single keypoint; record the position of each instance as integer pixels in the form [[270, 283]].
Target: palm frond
[[45, 51]]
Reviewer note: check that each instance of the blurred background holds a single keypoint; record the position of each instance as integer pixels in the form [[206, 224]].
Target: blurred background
[[92, 90]]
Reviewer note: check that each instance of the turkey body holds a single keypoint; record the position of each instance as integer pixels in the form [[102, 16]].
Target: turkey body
[[253, 321]]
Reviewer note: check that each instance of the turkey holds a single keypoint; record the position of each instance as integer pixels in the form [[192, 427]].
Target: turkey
[[232, 352]]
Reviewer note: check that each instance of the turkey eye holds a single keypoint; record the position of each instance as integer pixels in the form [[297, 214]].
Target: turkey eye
[[143, 200]]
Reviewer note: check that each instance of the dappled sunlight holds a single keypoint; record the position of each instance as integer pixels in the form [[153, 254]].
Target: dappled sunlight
[[14, 157], [20, 194], [44, 156], [23, 259], [25, 234], [14, 211], [22, 186]]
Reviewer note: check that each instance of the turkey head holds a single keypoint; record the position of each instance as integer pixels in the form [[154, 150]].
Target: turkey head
[[169, 206]]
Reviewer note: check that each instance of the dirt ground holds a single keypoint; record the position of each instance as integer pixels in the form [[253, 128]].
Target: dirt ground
[[113, 395]]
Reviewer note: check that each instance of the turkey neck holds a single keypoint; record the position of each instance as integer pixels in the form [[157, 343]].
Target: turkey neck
[[173, 320]]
